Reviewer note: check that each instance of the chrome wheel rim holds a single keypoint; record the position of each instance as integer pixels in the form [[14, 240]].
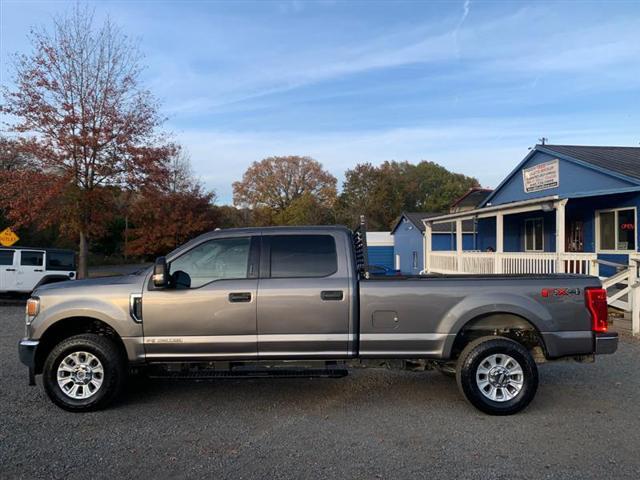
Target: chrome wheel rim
[[499, 377], [80, 375]]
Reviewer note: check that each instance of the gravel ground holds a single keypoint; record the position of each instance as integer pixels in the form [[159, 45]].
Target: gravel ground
[[584, 423]]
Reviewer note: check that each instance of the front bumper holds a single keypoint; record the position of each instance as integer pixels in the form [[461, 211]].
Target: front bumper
[[606, 343], [27, 351]]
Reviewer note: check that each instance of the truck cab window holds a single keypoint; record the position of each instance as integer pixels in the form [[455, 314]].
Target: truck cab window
[[225, 258], [303, 256]]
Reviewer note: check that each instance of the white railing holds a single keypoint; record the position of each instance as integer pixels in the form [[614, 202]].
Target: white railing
[[623, 291], [512, 262], [443, 262]]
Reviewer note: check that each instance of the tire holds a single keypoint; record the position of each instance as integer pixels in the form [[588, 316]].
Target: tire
[[92, 376], [497, 375]]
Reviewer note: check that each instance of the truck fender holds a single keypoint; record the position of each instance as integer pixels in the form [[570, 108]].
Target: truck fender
[[474, 306], [116, 318]]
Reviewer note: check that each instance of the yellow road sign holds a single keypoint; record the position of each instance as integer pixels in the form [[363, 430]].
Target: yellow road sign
[[8, 237]]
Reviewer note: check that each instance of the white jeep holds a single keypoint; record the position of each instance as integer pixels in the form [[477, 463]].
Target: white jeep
[[22, 269]]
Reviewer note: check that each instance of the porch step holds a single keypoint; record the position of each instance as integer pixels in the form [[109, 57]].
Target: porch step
[[209, 374], [620, 321]]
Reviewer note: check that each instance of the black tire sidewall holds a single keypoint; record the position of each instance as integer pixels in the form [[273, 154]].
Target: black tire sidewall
[[471, 359], [112, 364]]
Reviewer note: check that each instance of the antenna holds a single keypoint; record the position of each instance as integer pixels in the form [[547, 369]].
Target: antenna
[[543, 140]]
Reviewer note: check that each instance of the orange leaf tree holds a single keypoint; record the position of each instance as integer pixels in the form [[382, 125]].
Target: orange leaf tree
[[285, 187], [166, 214], [87, 126]]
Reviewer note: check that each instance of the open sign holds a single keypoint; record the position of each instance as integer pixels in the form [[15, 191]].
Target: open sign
[[627, 226]]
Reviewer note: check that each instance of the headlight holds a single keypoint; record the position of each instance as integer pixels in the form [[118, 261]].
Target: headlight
[[33, 308]]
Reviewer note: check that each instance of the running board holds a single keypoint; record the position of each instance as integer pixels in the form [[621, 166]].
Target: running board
[[207, 374]]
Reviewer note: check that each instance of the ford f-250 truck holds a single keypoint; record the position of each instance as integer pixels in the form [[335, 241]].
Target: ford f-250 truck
[[297, 301]]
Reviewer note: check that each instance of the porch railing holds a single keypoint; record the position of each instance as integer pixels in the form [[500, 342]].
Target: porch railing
[[512, 262]]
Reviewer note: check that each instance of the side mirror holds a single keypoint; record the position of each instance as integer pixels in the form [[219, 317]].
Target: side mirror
[[161, 273]]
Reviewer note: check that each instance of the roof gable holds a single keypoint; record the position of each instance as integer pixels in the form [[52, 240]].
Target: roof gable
[[416, 220], [575, 176]]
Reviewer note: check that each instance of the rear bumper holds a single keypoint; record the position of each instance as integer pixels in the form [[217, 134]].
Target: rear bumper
[[606, 343], [27, 352]]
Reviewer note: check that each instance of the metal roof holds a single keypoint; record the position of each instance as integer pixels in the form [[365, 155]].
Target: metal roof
[[416, 219], [622, 160]]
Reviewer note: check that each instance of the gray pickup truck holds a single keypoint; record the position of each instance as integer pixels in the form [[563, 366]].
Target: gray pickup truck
[[298, 301]]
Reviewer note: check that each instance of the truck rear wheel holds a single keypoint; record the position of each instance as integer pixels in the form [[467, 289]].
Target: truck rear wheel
[[497, 375], [84, 372]]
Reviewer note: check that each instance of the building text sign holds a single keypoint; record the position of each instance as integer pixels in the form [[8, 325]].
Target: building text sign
[[541, 177]]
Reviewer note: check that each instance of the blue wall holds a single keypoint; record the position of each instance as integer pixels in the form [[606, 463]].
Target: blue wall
[[448, 241], [514, 231], [381, 255], [406, 240], [574, 179]]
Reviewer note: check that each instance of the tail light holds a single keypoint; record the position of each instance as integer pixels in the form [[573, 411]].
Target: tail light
[[596, 299]]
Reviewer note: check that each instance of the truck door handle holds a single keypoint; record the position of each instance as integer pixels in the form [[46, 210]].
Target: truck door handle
[[332, 295], [10, 270], [38, 270], [237, 297]]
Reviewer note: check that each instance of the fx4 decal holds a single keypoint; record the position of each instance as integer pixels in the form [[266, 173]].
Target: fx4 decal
[[559, 292]]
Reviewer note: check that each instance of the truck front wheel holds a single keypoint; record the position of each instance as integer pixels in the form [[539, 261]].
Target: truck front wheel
[[497, 375], [84, 372]]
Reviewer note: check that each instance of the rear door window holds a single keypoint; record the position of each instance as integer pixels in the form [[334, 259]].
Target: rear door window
[[29, 258], [303, 256], [6, 257], [62, 261]]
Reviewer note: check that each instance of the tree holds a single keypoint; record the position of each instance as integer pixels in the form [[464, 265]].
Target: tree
[[382, 193], [276, 183], [89, 127], [12, 157], [167, 214]]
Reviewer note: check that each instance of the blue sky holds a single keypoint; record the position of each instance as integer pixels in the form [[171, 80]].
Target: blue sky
[[468, 84]]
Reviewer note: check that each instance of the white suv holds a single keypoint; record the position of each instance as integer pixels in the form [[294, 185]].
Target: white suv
[[23, 269]]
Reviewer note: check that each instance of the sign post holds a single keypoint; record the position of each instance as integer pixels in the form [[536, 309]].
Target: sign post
[[8, 237]]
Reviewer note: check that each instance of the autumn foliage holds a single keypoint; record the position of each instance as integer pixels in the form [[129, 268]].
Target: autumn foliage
[[287, 190], [87, 126], [170, 212]]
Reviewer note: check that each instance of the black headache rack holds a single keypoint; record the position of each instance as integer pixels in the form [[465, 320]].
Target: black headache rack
[[359, 238]]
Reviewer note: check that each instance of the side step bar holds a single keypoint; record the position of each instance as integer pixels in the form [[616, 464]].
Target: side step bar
[[207, 374]]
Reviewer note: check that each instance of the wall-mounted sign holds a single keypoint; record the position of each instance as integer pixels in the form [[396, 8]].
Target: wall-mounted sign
[[541, 177]]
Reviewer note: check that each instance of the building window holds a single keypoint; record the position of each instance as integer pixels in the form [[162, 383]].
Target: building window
[[534, 235], [415, 260], [617, 230]]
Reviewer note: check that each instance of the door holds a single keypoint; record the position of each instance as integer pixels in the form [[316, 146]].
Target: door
[[303, 297], [209, 309], [7, 271], [575, 236], [30, 269]]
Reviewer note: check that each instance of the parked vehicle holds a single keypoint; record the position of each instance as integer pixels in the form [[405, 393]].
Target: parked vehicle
[[381, 270], [298, 301], [22, 269]]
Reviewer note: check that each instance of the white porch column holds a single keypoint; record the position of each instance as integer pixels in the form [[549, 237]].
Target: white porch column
[[634, 295], [560, 235], [428, 230], [459, 244], [499, 242]]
